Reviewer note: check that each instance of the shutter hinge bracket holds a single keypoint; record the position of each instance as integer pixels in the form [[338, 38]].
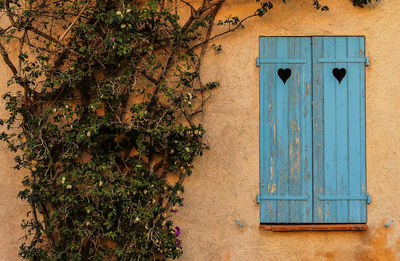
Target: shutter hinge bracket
[[368, 199], [258, 62], [367, 61], [258, 199]]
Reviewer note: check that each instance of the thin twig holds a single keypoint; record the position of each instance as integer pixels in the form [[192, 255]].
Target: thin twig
[[72, 24], [239, 25]]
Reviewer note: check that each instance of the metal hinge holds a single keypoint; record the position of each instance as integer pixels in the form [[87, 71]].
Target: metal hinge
[[367, 61], [368, 199]]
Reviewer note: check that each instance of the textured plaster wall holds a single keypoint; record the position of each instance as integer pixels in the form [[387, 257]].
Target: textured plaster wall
[[224, 185], [12, 209], [225, 182]]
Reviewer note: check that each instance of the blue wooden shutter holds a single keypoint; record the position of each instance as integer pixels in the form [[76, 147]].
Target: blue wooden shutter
[[285, 130], [339, 130]]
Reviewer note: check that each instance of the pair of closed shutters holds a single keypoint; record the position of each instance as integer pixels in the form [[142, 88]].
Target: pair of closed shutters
[[312, 130]]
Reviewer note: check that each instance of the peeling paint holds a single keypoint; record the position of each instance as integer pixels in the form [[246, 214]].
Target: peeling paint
[[306, 173], [272, 170], [271, 189], [274, 132]]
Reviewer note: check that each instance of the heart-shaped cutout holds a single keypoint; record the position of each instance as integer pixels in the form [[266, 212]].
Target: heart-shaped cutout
[[284, 74], [339, 73]]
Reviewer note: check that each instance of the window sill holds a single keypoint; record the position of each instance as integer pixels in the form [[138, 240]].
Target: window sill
[[315, 227]]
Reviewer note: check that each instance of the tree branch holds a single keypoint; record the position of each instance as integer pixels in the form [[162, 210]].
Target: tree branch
[[7, 60]]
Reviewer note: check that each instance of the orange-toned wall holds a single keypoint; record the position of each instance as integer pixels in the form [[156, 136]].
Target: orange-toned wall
[[225, 181], [12, 209]]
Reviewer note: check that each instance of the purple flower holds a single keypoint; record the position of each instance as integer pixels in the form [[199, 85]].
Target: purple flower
[[181, 205], [175, 211], [178, 243], [112, 39], [177, 231], [183, 198]]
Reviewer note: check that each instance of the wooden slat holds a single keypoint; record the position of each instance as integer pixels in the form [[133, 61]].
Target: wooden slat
[[342, 130], [316, 227], [282, 132], [339, 132], [318, 129], [285, 131], [267, 126]]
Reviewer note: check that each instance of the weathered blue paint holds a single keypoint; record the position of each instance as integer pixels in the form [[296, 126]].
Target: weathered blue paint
[[294, 61], [312, 130], [281, 197], [367, 61], [342, 60], [239, 223], [285, 131], [389, 223], [344, 197], [339, 178]]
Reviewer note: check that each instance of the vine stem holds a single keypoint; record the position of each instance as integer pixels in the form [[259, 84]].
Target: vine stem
[[73, 22]]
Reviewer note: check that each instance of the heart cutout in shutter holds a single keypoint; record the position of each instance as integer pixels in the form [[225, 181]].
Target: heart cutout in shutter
[[284, 74], [339, 74]]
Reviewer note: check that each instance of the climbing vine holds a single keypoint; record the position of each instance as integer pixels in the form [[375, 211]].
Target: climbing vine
[[106, 114]]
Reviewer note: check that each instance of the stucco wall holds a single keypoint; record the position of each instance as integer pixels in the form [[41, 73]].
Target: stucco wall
[[225, 182], [12, 209]]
